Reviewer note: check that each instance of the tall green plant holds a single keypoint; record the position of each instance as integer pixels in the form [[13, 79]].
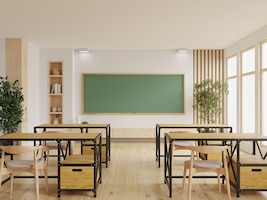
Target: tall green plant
[[11, 108], [208, 96]]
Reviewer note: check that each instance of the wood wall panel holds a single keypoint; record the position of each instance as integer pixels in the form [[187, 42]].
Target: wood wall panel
[[208, 64], [17, 69]]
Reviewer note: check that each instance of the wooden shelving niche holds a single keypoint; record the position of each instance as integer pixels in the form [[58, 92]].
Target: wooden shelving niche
[[55, 92]]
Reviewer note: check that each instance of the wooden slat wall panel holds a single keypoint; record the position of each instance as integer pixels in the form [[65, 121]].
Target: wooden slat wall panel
[[17, 69], [208, 64]]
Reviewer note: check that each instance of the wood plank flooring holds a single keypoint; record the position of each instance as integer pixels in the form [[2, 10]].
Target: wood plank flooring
[[132, 175]]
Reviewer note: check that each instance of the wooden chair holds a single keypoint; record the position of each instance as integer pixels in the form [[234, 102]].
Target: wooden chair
[[217, 166], [19, 164], [52, 145], [184, 145]]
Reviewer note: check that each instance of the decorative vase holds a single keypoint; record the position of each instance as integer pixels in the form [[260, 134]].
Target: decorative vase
[[54, 109], [56, 121], [59, 109]]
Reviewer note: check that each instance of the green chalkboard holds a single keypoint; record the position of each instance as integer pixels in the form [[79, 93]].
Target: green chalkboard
[[133, 93]]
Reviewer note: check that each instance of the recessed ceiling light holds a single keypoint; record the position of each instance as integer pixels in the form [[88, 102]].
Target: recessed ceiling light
[[83, 50], [183, 50]]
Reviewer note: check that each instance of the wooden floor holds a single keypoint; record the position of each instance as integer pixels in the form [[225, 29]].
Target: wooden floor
[[132, 175]]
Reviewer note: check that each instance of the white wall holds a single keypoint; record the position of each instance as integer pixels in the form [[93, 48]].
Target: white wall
[[252, 39], [56, 54], [101, 61], [134, 61], [33, 108]]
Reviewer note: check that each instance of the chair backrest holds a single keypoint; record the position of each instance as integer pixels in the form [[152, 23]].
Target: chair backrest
[[15, 150], [20, 149], [208, 149]]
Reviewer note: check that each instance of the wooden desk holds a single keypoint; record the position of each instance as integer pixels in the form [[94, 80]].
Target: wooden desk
[[237, 138], [198, 128], [82, 127], [57, 136]]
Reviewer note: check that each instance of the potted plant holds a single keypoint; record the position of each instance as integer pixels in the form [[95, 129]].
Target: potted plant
[[208, 96], [11, 108]]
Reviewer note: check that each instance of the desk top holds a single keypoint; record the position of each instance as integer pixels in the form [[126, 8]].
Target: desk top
[[72, 126], [193, 126], [215, 136], [50, 136]]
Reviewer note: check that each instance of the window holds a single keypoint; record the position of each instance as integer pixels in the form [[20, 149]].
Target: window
[[232, 67], [264, 89], [246, 76], [248, 61], [232, 96], [264, 55], [248, 91]]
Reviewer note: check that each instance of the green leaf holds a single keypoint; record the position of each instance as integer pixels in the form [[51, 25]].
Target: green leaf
[[208, 97], [11, 101]]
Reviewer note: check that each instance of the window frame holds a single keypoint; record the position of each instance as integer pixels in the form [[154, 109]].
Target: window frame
[[242, 75]]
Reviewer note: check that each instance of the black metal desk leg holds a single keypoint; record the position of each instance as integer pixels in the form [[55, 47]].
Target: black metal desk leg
[[158, 146], [165, 160], [107, 146], [58, 167], [108, 143], [238, 168], [156, 137], [170, 166], [35, 131]]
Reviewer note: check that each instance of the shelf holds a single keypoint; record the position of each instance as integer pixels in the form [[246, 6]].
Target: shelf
[[55, 76], [55, 93], [56, 113]]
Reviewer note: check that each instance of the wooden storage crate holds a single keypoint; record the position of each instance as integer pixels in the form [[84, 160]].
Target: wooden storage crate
[[88, 149], [217, 156], [253, 176], [77, 172]]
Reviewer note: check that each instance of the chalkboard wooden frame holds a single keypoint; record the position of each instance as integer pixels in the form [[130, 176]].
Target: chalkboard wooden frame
[[133, 93]]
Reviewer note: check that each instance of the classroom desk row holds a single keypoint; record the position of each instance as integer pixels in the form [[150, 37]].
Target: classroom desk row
[[235, 167], [84, 128], [95, 162], [196, 127]]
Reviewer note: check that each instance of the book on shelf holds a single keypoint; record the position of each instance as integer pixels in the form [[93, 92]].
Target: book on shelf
[[56, 88]]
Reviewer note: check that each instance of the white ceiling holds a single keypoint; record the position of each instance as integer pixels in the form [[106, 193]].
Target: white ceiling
[[132, 24]]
